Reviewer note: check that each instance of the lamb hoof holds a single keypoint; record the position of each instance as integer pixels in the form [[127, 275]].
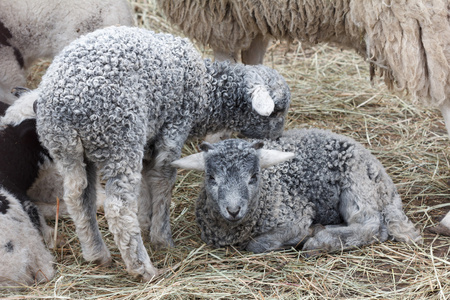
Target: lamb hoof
[[104, 261], [149, 275], [159, 243], [313, 253], [439, 229]]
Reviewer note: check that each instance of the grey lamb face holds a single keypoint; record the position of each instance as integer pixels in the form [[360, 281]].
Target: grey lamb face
[[232, 178], [268, 116]]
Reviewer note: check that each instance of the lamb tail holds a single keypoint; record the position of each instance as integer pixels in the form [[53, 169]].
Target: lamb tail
[[22, 109]]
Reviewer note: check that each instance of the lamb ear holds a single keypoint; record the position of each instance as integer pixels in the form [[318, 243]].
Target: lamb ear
[[269, 158], [262, 103], [191, 162]]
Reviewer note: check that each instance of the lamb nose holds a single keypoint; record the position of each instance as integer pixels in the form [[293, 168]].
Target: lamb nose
[[234, 212]]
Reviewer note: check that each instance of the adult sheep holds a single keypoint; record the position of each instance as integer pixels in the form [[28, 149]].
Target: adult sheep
[[33, 29], [331, 194], [121, 95]]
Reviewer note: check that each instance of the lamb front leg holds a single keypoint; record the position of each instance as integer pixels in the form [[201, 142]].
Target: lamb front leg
[[160, 178], [121, 207], [284, 237]]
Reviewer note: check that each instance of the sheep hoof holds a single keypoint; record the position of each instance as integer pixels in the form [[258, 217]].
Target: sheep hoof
[[149, 275], [159, 243], [439, 229], [313, 252], [104, 261]]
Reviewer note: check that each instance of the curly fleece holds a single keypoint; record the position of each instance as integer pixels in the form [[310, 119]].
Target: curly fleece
[[332, 180], [406, 41], [120, 94]]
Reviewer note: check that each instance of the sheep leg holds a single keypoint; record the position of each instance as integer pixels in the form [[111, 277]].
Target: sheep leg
[[445, 110], [340, 237], [284, 237], [120, 208], [281, 238], [161, 177], [145, 210], [220, 55], [79, 195], [161, 180], [254, 55]]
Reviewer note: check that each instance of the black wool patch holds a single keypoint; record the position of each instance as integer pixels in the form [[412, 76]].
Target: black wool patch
[[5, 34], [4, 204], [9, 247]]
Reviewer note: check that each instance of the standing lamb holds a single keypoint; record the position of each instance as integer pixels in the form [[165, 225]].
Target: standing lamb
[[33, 29], [120, 95], [24, 258], [332, 189]]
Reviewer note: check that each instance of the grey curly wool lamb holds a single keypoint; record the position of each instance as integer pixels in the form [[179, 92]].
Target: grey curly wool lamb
[[330, 194], [122, 95]]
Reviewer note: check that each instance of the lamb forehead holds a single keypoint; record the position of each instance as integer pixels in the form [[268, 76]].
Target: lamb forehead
[[230, 153]]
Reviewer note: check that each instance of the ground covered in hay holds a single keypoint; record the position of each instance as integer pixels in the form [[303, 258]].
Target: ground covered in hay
[[331, 90]]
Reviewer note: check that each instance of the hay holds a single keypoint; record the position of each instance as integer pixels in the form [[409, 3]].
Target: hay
[[330, 89]]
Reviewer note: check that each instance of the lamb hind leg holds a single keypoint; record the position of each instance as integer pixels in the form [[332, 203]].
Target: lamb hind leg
[[79, 195], [341, 237]]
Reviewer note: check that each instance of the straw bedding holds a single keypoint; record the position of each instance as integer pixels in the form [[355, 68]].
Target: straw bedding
[[331, 90]]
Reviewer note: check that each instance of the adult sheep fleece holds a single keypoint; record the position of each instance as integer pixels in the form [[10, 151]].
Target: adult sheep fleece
[[34, 29], [120, 95], [408, 42], [329, 180]]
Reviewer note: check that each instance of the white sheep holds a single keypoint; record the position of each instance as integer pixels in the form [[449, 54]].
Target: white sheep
[[326, 192], [123, 95], [24, 259], [33, 29], [407, 42]]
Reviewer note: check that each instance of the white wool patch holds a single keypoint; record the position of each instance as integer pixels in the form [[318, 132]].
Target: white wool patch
[[262, 103], [21, 110]]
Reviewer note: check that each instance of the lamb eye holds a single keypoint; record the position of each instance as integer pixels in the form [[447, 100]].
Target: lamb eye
[[211, 179], [254, 178], [277, 113]]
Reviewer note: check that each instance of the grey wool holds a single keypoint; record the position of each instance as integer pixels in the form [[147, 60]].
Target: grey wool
[[123, 101], [310, 188]]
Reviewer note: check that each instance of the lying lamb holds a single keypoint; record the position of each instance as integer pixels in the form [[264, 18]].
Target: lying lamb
[[122, 94], [24, 258], [33, 29], [330, 181]]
